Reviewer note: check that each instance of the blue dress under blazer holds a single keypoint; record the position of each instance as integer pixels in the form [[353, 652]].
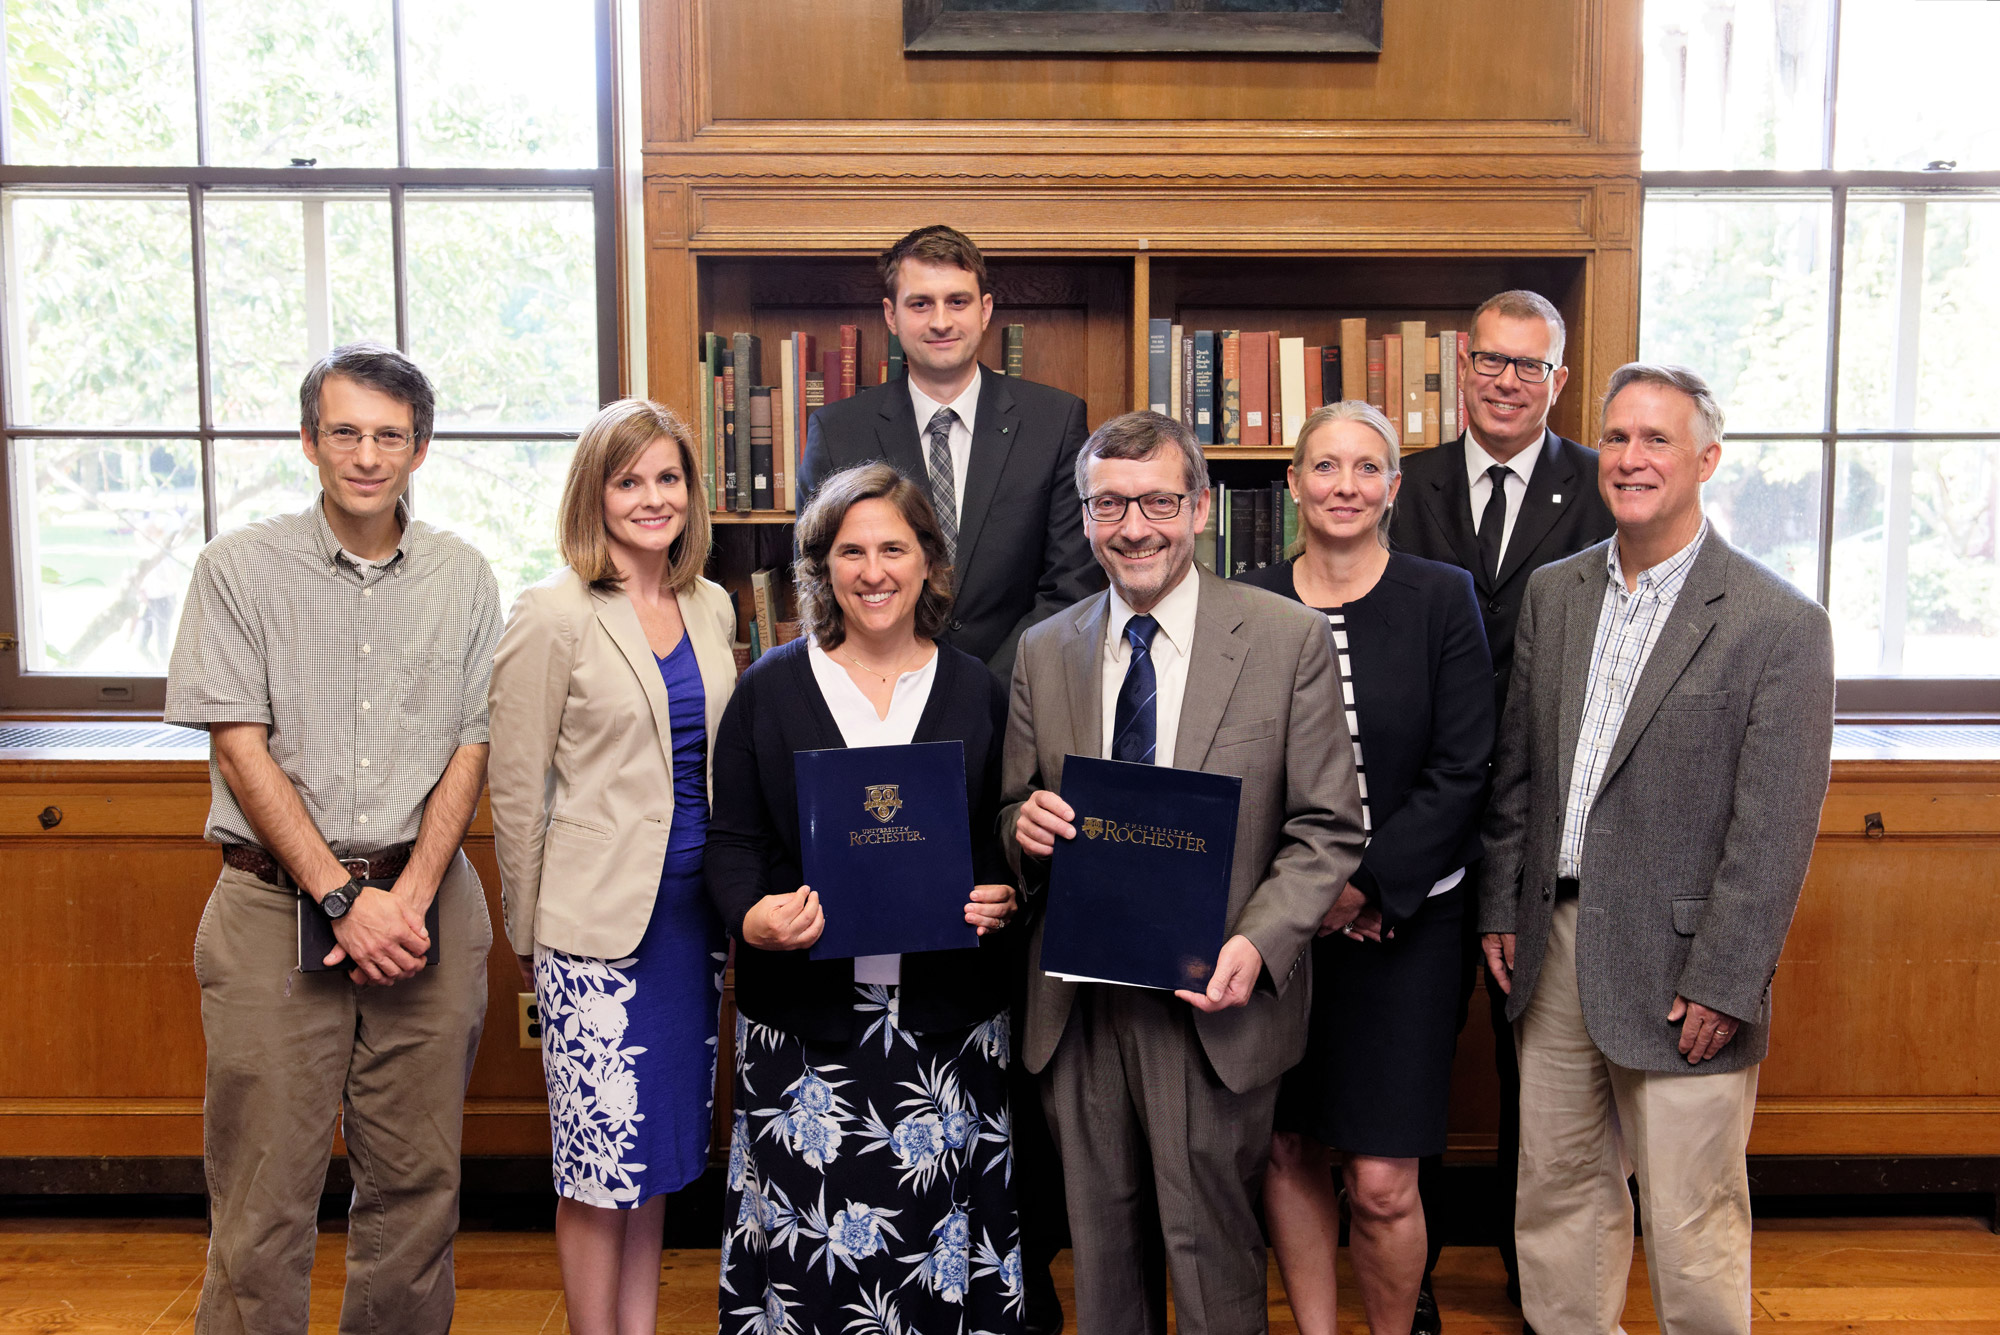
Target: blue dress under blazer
[[1414, 665]]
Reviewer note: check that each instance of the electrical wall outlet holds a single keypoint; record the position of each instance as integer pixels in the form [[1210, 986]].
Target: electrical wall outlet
[[531, 1019]]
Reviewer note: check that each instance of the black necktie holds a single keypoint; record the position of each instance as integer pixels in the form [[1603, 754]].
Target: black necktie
[[1133, 732], [1493, 522]]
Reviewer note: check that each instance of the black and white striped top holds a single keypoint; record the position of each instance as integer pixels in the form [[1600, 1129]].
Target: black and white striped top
[[1336, 619]]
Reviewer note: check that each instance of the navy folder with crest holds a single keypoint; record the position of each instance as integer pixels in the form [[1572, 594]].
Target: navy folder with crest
[[1141, 894], [885, 841]]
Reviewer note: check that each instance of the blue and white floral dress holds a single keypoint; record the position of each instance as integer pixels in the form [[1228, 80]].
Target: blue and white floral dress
[[628, 1045], [870, 1186]]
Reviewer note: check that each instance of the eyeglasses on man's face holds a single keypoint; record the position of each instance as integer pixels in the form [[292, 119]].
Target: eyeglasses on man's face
[[346, 439], [1109, 508], [1492, 364]]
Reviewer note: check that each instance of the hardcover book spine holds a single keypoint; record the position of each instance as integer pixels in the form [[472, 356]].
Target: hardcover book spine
[[892, 368], [1315, 368], [1204, 386], [760, 448], [1204, 541], [829, 373], [1464, 351], [1291, 524], [1292, 383], [785, 420], [1242, 528], [805, 350], [1229, 426], [1256, 389], [1331, 376], [1378, 371], [1159, 383], [1178, 391], [1412, 420], [1354, 360], [1219, 507], [850, 360], [1014, 348], [1392, 381], [1433, 389], [749, 371], [704, 393], [1187, 382], [727, 470], [1448, 385], [1261, 527], [1274, 390], [765, 626]]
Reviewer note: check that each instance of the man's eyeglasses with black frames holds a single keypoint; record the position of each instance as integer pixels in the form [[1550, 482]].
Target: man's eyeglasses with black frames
[[1109, 508], [1493, 364]]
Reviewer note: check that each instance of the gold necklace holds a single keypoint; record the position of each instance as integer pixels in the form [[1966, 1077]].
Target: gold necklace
[[885, 680]]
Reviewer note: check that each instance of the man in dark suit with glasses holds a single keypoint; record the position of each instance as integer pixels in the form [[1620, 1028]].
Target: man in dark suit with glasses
[[1504, 499]]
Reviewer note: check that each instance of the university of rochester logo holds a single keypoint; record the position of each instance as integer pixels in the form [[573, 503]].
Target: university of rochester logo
[[1156, 836], [1093, 826], [883, 803]]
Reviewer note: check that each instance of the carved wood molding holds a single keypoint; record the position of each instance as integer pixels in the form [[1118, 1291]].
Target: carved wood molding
[[806, 216], [803, 163]]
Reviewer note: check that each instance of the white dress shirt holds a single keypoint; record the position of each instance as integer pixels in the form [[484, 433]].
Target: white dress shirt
[[965, 405], [1175, 613], [859, 726], [1520, 470]]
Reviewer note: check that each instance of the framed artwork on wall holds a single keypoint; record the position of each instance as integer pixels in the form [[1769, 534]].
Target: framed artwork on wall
[[1095, 27]]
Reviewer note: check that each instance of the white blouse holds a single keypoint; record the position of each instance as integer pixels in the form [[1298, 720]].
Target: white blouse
[[859, 726]]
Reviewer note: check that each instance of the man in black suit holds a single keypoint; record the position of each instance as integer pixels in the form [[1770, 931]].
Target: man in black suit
[[998, 454], [999, 457], [1504, 499]]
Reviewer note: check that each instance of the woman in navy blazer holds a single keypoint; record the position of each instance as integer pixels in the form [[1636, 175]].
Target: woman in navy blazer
[[1375, 1081]]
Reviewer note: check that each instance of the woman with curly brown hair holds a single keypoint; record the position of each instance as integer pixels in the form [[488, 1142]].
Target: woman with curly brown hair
[[870, 1171]]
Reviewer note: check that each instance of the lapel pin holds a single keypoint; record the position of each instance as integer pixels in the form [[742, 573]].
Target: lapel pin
[[1556, 499], [1004, 430]]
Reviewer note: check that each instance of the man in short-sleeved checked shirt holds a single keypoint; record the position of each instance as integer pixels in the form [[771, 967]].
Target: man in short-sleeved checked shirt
[[339, 659]]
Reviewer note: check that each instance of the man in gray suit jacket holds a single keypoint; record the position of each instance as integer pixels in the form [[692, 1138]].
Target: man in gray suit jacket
[[1162, 1103], [1657, 787]]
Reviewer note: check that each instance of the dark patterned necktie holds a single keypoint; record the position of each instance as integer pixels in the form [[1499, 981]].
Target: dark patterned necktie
[[944, 493], [1133, 732], [1493, 522]]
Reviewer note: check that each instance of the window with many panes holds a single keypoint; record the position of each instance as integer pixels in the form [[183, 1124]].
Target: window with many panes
[[1822, 240], [199, 197]]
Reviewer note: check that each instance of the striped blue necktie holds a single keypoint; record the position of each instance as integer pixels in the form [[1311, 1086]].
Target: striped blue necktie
[[1134, 730]]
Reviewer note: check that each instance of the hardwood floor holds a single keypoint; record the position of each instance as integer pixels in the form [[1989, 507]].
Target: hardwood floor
[[1813, 1277]]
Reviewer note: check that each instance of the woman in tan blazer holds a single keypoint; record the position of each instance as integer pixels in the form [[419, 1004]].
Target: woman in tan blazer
[[609, 681]]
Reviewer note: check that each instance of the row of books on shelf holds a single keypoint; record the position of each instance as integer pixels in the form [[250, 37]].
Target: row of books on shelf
[[770, 592], [1252, 389], [1247, 527], [754, 434]]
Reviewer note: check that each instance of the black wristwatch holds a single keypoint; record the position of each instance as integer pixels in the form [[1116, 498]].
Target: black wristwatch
[[336, 902]]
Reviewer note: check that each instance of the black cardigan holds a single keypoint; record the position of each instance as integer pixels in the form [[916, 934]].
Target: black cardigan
[[753, 845], [1424, 696]]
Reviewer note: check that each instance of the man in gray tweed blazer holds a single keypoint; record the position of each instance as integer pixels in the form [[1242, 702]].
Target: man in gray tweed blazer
[[1657, 786], [1162, 1102]]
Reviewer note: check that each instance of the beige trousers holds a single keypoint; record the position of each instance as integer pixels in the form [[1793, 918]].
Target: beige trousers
[[288, 1053], [1585, 1125]]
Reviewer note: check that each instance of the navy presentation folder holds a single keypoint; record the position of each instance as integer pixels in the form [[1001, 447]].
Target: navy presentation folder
[[885, 842], [1141, 894]]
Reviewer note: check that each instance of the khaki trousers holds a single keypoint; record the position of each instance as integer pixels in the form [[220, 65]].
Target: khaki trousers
[[1585, 1125], [1162, 1163], [288, 1053]]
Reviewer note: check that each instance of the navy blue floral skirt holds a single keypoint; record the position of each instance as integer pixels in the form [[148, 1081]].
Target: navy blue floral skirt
[[871, 1186]]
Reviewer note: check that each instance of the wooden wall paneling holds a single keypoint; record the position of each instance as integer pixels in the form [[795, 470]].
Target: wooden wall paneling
[[1441, 62], [672, 304], [803, 215]]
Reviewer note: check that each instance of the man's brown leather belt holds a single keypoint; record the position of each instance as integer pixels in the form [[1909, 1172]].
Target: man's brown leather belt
[[383, 865]]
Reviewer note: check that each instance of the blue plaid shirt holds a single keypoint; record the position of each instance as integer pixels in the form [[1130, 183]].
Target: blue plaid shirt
[[1628, 626]]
